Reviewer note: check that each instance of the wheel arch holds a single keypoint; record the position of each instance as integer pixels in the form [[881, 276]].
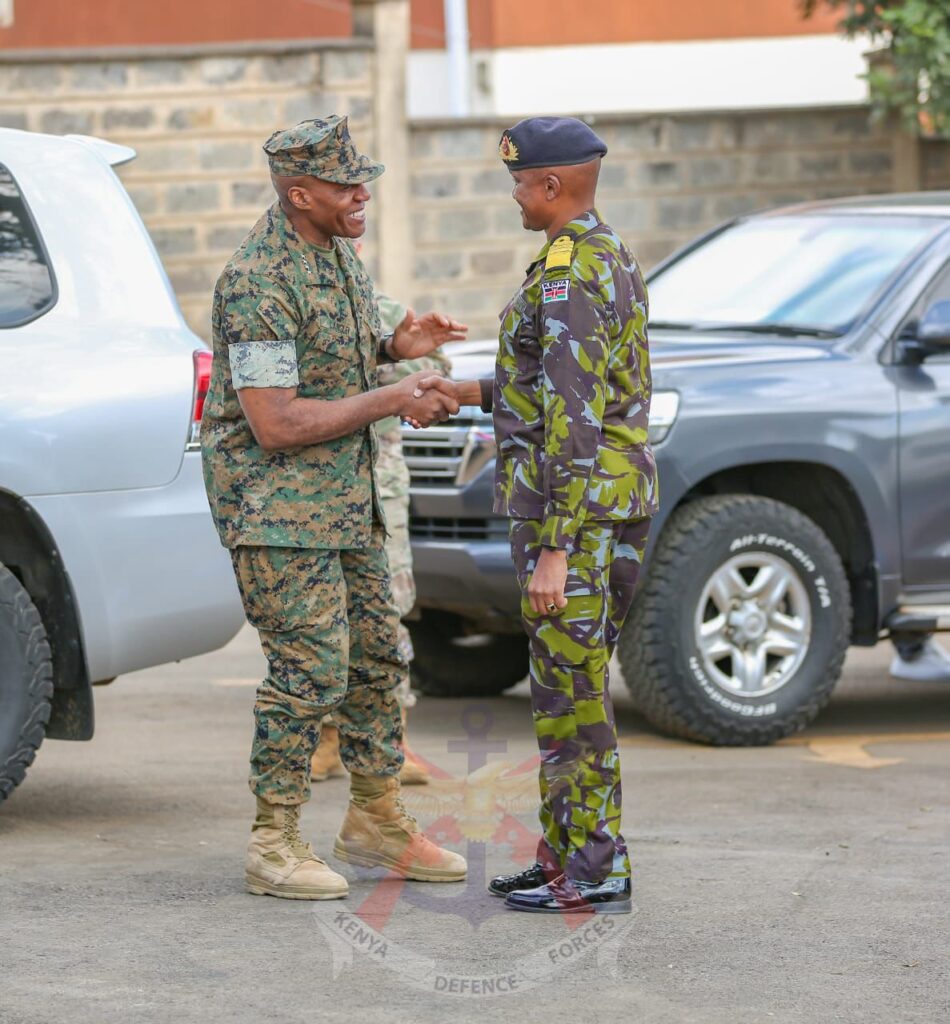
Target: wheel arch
[[28, 550], [825, 495]]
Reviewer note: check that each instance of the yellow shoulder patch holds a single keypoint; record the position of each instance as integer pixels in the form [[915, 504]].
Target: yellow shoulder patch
[[560, 253]]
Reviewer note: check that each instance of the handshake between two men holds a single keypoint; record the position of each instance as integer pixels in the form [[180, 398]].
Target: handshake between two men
[[435, 398], [427, 397]]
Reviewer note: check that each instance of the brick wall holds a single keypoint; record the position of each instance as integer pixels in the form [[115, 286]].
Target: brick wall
[[197, 118], [935, 164], [666, 178]]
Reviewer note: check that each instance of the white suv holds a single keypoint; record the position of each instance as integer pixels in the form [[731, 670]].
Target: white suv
[[108, 558]]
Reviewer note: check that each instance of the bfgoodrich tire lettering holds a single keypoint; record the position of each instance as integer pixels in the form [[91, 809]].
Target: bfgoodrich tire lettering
[[671, 677], [26, 682]]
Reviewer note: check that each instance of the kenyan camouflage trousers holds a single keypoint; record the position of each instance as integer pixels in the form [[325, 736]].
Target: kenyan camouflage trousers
[[570, 697], [329, 630]]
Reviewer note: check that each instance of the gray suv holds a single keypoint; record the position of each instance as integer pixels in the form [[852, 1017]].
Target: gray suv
[[801, 423]]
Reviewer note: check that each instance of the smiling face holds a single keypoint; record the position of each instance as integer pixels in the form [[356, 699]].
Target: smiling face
[[533, 191], [329, 209]]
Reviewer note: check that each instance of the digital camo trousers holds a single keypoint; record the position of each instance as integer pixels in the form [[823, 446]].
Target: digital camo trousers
[[570, 696], [329, 630]]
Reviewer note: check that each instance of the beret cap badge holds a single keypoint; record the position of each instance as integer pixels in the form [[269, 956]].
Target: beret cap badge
[[508, 150], [549, 142]]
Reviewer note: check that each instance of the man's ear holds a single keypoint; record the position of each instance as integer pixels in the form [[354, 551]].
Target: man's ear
[[552, 187], [299, 197]]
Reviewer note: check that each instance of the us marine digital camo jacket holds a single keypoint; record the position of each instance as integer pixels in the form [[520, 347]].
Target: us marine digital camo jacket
[[571, 397], [287, 314]]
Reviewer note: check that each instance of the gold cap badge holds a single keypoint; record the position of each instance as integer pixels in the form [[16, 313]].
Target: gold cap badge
[[508, 150]]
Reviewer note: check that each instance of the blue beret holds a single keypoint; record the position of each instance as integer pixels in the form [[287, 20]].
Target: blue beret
[[550, 142]]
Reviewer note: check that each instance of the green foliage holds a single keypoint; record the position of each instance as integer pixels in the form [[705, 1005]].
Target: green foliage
[[910, 71]]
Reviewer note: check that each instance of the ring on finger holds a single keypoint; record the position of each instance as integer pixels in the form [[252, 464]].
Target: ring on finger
[[552, 607]]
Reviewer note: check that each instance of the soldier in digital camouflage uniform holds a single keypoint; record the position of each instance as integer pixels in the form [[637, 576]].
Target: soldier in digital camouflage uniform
[[575, 474], [288, 450], [392, 477]]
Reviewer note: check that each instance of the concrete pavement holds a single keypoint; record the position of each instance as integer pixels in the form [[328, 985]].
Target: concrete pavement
[[804, 883]]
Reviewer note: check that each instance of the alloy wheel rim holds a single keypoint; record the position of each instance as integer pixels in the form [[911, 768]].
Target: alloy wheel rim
[[752, 625]]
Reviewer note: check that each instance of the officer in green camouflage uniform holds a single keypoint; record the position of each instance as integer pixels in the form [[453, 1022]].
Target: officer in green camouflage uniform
[[576, 477], [288, 450]]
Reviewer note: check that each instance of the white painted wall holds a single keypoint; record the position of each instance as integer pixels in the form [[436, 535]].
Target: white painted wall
[[709, 75]]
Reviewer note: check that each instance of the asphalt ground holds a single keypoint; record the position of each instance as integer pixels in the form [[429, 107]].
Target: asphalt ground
[[805, 882]]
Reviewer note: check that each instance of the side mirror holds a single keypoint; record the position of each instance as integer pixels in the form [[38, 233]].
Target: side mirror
[[930, 337], [934, 328]]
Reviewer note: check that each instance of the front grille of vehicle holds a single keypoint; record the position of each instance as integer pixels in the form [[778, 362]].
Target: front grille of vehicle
[[434, 455], [449, 454], [428, 528]]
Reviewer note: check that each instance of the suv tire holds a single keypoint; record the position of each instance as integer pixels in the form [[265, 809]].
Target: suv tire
[[450, 663], [26, 682], [712, 673]]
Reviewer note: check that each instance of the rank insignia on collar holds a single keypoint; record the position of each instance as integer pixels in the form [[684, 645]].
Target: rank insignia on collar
[[560, 253], [508, 150]]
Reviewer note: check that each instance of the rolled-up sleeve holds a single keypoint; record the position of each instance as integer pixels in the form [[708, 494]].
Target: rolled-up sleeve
[[264, 364], [258, 323]]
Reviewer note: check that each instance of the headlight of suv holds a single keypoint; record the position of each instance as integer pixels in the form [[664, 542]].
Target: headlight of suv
[[664, 406]]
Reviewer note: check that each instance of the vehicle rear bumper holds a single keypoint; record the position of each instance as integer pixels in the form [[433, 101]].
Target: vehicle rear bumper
[[151, 580], [474, 578]]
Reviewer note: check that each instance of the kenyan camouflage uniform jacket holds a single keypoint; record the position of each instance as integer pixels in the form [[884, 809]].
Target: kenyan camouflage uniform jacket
[[286, 315], [571, 396]]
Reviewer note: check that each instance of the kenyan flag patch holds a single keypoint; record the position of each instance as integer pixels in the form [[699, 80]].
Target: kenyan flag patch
[[555, 291]]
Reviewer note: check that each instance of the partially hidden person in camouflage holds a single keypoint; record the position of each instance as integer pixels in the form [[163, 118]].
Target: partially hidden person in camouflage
[[392, 479], [577, 479], [289, 452]]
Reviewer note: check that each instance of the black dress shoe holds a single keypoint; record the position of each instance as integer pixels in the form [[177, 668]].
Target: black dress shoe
[[567, 896], [530, 878]]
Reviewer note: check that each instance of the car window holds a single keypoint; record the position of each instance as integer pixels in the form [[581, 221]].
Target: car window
[[937, 291], [813, 271], [27, 288]]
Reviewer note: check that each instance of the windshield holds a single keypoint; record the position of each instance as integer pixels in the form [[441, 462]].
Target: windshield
[[811, 272]]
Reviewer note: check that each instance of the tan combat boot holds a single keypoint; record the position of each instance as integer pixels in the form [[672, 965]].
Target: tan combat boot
[[326, 762], [280, 863], [413, 772], [378, 831]]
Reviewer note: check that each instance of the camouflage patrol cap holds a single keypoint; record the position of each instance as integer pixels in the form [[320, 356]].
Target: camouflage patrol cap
[[549, 142], [321, 148]]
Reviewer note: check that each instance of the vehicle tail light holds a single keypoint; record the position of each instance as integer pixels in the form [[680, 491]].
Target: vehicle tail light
[[202, 382]]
